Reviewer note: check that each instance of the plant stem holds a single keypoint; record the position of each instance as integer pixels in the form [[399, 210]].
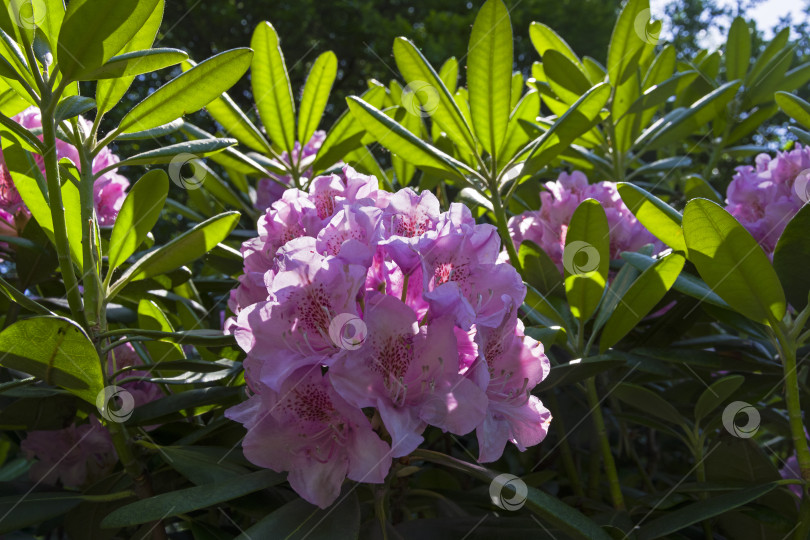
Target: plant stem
[[58, 208], [604, 444], [701, 477], [565, 448], [503, 228], [93, 300]]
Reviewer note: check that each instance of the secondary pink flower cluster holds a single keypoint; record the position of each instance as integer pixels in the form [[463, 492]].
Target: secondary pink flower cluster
[[83, 453], [109, 191], [269, 190], [355, 299], [764, 198], [548, 226]]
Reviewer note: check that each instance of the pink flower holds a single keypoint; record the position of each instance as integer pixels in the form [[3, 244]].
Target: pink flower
[[307, 428], [791, 469], [765, 198], [547, 227], [124, 356], [269, 190], [410, 375], [76, 456]]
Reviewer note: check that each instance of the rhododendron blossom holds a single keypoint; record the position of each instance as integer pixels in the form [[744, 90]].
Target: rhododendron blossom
[[547, 227], [269, 190], [765, 197], [368, 316]]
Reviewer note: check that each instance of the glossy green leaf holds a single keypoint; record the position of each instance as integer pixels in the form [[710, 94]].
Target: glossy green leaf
[[448, 73], [795, 107], [189, 92], [643, 295], [21, 512], [489, 73], [299, 519], [187, 247], [166, 154], [544, 39], [791, 258], [73, 106], [517, 137], [716, 394], [187, 500], [271, 87], [11, 292], [539, 270], [110, 91], [401, 141], [578, 370], [565, 77], [657, 216], [738, 49], [731, 262], [94, 31], [138, 214], [151, 317], [649, 402], [316, 94], [55, 350], [135, 63], [434, 96], [586, 258], [154, 133], [627, 40]]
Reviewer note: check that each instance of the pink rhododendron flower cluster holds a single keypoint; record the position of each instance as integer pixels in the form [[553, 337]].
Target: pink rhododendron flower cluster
[[109, 190], [547, 227], [83, 453], [765, 197], [355, 300], [268, 190]]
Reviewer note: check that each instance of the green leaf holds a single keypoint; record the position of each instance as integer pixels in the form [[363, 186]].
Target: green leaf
[[517, 137], [21, 512], [699, 511], [489, 74], [586, 258], [626, 43], [188, 92], [55, 350], [110, 91], [316, 94], [186, 500], [791, 258], [202, 464], [435, 97], [565, 77], [187, 247], [643, 295], [402, 142], [731, 262], [578, 370], [166, 154], [181, 406], [271, 87], [10, 292], [448, 73], [696, 186], [738, 49], [95, 30], [795, 107], [151, 317], [539, 270], [73, 106], [657, 216], [136, 63], [544, 39], [716, 394], [298, 520], [154, 133], [649, 402]]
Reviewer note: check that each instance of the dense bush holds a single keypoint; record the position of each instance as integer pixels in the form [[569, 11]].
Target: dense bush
[[572, 305]]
